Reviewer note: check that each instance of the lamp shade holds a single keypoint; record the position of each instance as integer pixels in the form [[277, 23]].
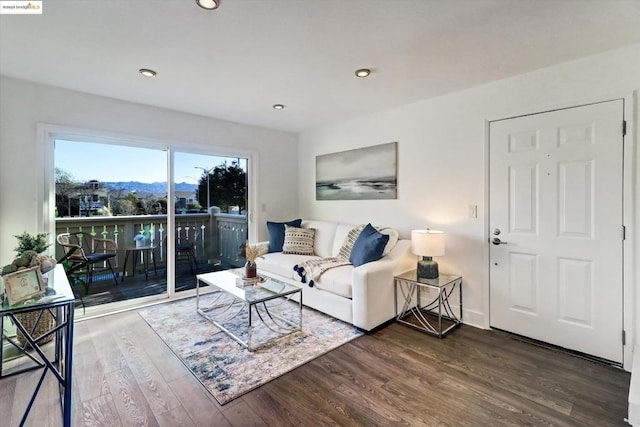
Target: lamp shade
[[427, 242]]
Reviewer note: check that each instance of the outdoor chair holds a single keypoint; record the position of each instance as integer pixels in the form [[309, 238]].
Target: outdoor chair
[[83, 251], [186, 250]]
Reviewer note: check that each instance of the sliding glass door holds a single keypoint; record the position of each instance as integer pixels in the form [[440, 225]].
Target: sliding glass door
[[111, 196], [165, 231], [210, 214]]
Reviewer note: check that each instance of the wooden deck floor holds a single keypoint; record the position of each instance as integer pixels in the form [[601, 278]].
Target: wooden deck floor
[[103, 290], [124, 375]]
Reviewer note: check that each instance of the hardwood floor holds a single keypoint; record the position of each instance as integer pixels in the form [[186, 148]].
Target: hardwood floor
[[125, 375]]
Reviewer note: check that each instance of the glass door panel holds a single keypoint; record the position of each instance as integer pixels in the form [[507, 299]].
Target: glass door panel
[[210, 214], [116, 193]]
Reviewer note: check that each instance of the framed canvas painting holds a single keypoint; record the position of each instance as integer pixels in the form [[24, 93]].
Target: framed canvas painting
[[360, 174]]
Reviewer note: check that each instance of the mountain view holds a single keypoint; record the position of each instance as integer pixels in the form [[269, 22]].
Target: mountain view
[[158, 189]]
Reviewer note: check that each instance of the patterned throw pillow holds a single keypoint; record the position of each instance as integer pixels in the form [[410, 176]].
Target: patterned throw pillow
[[298, 241], [345, 249]]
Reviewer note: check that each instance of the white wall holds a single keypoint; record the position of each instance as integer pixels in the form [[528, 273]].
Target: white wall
[[441, 157], [23, 105]]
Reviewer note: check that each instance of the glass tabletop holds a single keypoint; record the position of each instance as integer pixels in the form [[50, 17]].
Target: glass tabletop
[[57, 291], [262, 291], [441, 281]]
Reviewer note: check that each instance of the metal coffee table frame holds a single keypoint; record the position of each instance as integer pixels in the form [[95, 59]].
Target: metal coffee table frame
[[266, 291]]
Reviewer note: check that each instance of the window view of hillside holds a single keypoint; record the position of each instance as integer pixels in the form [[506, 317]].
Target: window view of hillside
[[102, 179]]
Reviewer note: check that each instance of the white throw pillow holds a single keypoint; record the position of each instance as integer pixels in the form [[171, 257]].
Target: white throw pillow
[[393, 238]]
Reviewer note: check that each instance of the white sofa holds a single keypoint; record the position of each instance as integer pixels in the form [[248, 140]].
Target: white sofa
[[362, 296]]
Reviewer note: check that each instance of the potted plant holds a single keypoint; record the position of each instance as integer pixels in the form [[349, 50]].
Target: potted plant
[[251, 252], [29, 254]]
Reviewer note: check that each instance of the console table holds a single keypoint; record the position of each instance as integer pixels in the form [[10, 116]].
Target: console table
[[58, 302]]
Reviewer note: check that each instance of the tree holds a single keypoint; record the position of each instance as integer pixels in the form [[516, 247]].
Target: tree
[[227, 186], [124, 207], [66, 187], [131, 204]]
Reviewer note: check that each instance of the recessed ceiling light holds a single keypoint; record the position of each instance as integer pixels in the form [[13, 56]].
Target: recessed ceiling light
[[147, 72], [363, 72], [278, 107], [208, 4]]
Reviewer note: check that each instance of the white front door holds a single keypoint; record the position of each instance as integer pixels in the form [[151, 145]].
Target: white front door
[[556, 207]]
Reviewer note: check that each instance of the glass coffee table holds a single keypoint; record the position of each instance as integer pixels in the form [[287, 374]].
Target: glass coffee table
[[236, 300]]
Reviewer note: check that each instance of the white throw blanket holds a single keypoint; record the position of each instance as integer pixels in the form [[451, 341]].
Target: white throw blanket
[[312, 269]]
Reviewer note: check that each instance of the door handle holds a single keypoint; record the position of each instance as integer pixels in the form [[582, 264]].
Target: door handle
[[497, 241]]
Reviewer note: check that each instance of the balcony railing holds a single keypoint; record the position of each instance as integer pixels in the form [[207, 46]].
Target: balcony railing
[[218, 237]]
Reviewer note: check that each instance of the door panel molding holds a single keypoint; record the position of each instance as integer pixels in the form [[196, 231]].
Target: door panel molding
[[560, 145]]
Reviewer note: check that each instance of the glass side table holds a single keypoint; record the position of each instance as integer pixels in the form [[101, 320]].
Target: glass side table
[[437, 317], [59, 302]]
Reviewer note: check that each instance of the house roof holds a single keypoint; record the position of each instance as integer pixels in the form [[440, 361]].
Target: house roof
[[234, 63]]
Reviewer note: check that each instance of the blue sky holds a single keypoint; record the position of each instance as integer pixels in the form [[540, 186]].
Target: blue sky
[[104, 162]]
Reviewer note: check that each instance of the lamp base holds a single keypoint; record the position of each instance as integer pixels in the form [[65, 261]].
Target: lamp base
[[427, 268]]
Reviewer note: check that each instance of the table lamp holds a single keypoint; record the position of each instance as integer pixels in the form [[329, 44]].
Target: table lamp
[[427, 243]]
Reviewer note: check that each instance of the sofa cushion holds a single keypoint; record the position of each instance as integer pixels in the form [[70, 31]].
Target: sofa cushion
[[298, 240], [276, 233], [325, 235], [337, 281], [281, 264], [369, 246]]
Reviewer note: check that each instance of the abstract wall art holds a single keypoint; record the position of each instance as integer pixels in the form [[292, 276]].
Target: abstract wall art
[[360, 174]]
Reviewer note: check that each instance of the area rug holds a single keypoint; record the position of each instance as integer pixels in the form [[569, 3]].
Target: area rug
[[227, 369]]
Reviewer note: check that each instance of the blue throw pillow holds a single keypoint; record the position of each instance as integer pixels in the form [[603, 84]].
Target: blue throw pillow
[[276, 233], [368, 246]]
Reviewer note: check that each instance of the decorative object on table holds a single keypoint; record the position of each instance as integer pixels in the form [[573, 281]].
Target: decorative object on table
[[38, 321], [250, 281], [140, 240], [23, 280], [360, 174], [23, 285], [250, 253], [427, 243], [29, 254], [225, 368]]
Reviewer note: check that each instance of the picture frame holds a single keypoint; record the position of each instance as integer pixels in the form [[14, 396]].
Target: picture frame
[[367, 173], [23, 285]]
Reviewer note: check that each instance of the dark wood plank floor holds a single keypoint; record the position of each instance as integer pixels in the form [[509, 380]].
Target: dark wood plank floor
[[125, 375]]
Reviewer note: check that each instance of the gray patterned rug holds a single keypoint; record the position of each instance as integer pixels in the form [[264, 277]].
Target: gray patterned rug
[[225, 368]]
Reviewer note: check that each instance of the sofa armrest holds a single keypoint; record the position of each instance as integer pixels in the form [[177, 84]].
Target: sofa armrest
[[372, 292]]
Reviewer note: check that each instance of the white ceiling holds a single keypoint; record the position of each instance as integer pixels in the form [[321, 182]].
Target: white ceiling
[[234, 63]]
